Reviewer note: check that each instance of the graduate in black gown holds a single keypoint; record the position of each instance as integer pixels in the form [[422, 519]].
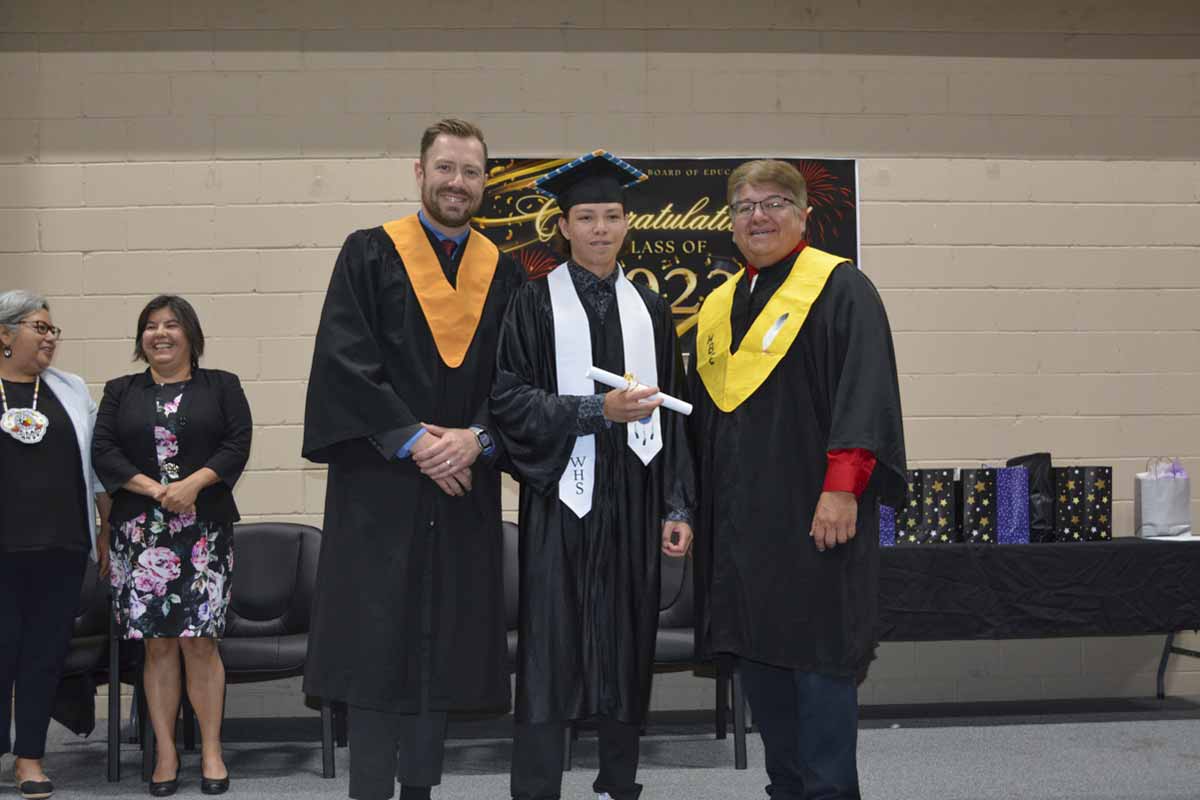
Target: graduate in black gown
[[408, 619], [797, 436], [602, 493]]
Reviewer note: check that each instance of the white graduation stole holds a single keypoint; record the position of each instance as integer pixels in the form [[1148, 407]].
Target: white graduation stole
[[573, 357]]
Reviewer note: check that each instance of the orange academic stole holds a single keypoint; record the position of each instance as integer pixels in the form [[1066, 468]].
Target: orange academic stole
[[453, 312]]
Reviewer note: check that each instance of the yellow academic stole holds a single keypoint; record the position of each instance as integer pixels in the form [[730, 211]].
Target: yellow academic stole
[[730, 379], [453, 312]]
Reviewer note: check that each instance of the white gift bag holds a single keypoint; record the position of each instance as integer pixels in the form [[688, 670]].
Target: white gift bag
[[1162, 499]]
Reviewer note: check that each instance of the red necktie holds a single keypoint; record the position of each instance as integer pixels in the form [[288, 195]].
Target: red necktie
[[448, 247]]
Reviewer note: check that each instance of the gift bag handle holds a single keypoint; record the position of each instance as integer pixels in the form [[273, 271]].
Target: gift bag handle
[[1152, 466]]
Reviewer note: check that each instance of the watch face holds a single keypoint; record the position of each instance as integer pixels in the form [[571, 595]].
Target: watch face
[[485, 440]]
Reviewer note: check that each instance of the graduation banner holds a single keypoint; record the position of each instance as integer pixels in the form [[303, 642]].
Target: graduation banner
[[680, 240]]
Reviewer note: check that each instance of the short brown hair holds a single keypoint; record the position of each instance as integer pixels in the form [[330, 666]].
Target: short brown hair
[[767, 170], [189, 320], [458, 128]]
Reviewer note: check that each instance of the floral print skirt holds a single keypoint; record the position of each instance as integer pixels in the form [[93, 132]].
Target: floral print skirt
[[171, 576]]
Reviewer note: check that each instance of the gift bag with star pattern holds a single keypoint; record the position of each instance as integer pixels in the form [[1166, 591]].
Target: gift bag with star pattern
[[1083, 505], [995, 505], [887, 525], [930, 512]]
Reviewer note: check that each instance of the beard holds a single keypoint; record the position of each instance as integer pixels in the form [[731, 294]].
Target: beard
[[451, 218]]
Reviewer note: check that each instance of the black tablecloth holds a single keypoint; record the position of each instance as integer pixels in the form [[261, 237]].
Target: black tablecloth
[[965, 591]]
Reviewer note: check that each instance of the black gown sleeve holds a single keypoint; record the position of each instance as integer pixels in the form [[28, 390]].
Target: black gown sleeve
[[112, 466], [349, 394], [535, 425], [864, 389], [679, 480], [388, 443], [483, 418], [512, 279], [231, 456]]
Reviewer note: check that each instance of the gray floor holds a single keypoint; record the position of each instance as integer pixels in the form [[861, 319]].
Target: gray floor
[[1128, 758]]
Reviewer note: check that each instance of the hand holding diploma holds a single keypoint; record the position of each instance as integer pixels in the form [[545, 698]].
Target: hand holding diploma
[[648, 399], [630, 404]]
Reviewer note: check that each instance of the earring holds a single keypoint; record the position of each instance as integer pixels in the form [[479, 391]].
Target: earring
[[8, 352]]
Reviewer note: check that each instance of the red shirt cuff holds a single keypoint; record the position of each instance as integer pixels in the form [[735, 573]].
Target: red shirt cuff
[[849, 470]]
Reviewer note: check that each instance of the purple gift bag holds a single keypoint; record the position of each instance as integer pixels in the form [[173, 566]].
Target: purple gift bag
[[887, 525], [1012, 505]]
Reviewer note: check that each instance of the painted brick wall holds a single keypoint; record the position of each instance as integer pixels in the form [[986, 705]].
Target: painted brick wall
[[1030, 208]]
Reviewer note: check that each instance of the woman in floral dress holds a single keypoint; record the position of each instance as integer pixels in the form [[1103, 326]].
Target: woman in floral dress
[[170, 444]]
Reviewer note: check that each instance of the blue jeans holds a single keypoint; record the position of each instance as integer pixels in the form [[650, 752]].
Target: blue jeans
[[809, 727]]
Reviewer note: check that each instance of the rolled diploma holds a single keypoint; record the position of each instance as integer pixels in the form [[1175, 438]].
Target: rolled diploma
[[619, 382]]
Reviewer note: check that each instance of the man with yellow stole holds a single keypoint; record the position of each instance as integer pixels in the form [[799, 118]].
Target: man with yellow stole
[[797, 436], [408, 620]]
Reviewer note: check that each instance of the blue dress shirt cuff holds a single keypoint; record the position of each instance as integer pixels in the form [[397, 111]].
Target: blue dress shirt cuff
[[406, 449]]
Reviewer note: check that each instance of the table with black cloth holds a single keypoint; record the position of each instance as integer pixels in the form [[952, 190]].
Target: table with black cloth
[[1123, 587]]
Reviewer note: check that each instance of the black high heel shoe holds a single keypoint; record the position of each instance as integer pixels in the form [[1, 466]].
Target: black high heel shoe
[[164, 788], [214, 785], [167, 788]]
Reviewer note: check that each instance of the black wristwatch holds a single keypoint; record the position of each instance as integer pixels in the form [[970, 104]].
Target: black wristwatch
[[486, 444]]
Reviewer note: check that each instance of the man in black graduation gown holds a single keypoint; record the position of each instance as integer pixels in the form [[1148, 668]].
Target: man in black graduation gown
[[797, 435], [408, 618], [602, 493]]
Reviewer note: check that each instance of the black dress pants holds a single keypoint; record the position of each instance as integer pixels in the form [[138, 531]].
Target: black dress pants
[[39, 597], [537, 764], [388, 748]]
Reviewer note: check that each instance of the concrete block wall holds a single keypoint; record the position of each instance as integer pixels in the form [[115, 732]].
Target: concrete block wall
[[1030, 206]]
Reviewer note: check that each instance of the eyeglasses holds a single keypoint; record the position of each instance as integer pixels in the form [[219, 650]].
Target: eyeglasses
[[42, 328], [773, 205]]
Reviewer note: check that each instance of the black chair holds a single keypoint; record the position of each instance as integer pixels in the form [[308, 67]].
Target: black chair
[[674, 650], [89, 635], [266, 631], [512, 589], [85, 660]]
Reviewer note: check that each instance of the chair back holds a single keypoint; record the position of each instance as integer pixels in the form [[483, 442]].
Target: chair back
[[274, 579], [676, 605], [92, 617], [89, 635], [512, 575], [677, 595]]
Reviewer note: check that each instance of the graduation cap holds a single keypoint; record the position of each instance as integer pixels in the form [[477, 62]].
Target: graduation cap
[[596, 177]]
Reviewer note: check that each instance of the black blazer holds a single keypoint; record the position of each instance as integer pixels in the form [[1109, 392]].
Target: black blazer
[[214, 432]]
